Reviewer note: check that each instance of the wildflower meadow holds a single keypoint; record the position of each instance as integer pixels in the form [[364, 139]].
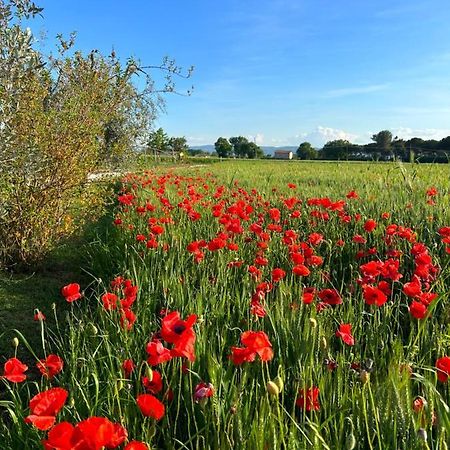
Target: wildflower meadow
[[249, 305]]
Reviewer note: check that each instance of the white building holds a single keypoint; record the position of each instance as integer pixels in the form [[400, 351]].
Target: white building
[[283, 154]]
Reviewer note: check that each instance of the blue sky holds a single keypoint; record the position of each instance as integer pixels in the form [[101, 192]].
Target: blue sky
[[281, 71]]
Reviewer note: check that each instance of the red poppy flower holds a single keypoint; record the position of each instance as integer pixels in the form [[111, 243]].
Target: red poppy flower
[[308, 399], [345, 333], [39, 316], [127, 319], [418, 310], [239, 355], [443, 368], [275, 214], [71, 292], [128, 366], [374, 296], [14, 370], [109, 301], [301, 270], [180, 333], [330, 296], [153, 385], [157, 353], [371, 269], [118, 436], [432, 191], [358, 239], [44, 407], [257, 309], [278, 274], [256, 343], [172, 327], [419, 404], [308, 295], [203, 391], [370, 225], [413, 288], [50, 366], [185, 346], [352, 194], [60, 437], [136, 445], [97, 433], [315, 238], [150, 406], [427, 297]]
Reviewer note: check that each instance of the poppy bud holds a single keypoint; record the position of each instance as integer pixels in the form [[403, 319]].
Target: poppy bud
[[350, 441], [149, 373], [313, 322], [15, 342], [422, 434], [272, 388], [119, 385], [279, 382], [71, 402], [91, 329], [364, 376], [323, 343]]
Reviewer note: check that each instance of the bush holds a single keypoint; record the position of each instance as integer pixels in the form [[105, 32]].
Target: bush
[[62, 118]]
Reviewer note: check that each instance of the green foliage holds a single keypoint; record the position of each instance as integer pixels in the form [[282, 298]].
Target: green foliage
[[61, 118], [306, 151], [158, 142], [337, 149], [224, 148], [383, 139]]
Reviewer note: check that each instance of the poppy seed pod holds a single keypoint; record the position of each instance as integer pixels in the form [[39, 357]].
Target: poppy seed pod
[[272, 388], [279, 382], [364, 376], [323, 343], [313, 322], [15, 342], [422, 434]]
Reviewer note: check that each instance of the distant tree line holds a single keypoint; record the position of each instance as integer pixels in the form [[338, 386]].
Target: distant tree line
[[160, 143], [237, 147], [384, 147]]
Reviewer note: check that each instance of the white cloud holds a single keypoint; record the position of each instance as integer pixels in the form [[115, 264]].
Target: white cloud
[[258, 138], [321, 135], [426, 133], [355, 90]]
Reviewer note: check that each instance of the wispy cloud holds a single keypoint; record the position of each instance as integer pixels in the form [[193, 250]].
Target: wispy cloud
[[355, 90], [396, 11]]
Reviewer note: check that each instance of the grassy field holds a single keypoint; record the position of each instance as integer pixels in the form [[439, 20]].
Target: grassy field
[[269, 304]]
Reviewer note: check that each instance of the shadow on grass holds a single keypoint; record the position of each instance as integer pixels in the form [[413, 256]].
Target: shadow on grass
[[73, 261]]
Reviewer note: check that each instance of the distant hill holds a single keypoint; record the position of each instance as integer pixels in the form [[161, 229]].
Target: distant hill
[[268, 150]]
